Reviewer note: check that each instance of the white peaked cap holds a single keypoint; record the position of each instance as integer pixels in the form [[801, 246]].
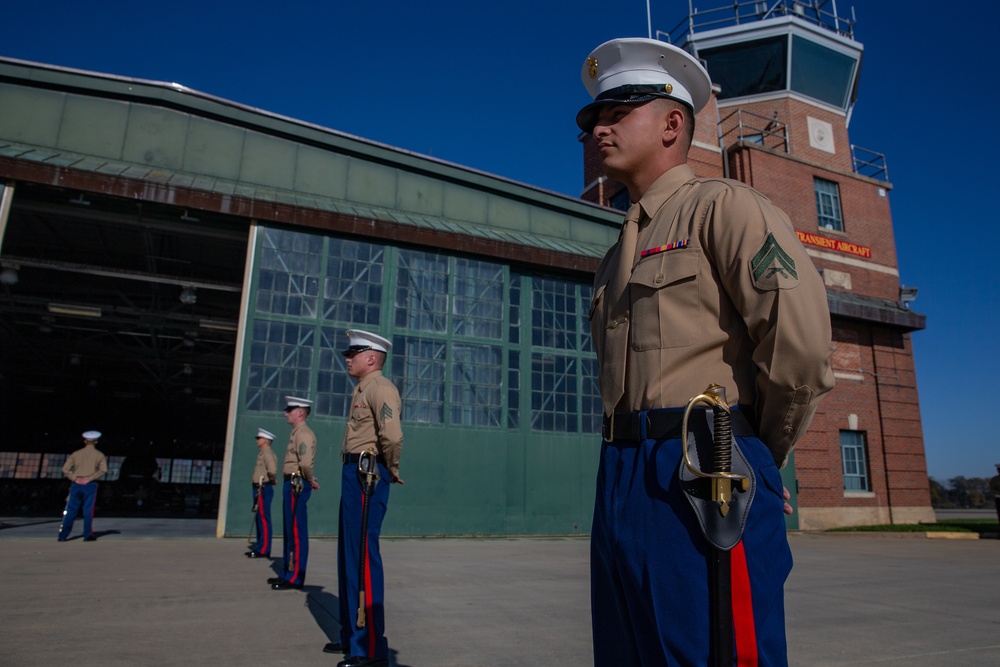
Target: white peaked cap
[[635, 70], [365, 340]]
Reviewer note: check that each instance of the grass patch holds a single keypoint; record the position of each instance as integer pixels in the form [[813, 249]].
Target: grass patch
[[947, 526]]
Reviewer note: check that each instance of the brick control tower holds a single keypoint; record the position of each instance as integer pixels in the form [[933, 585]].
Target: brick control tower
[[785, 75]]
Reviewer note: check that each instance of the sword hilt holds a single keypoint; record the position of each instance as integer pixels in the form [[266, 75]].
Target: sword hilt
[[722, 460]]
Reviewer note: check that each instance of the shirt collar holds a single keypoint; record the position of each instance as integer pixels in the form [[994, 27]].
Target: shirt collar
[[664, 188]]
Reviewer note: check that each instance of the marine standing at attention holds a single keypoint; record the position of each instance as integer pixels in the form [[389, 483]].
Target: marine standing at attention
[[265, 475], [707, 284], [373, 438], [299, 483], [83, 468]]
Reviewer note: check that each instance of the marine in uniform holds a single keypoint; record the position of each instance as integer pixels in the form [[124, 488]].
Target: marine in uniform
[[83, 468], [265, 473], [373, 425], [299, 483], [706, 284]]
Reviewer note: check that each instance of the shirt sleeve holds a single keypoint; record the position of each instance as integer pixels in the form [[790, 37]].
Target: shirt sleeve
[[386, 406], [102, 468], [307, 454], [780, 295], [69, 468], [271, 466]]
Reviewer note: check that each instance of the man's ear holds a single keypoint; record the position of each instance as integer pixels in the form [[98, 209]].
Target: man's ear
[[673, 126]]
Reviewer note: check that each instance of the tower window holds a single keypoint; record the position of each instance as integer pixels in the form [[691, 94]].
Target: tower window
[[828, 205], [855, 459]]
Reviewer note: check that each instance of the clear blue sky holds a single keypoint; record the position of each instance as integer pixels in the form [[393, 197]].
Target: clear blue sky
[[496, 87]]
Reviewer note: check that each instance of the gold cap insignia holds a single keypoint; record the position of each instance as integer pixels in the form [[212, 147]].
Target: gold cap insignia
[[669, 88], [592, 67]]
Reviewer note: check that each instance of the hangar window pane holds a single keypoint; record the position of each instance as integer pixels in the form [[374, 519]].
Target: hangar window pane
[[586, 294], [163, 469], [421, 291], [334, 386], [286, 349], [181, 471], [855, 460], [554, 398], [513, 389], [554, 311], [749, 68], [477, 307], [52, 466], [591, 409], [290, 264], [28, 465], [476, 384], [420, 364], [354, 278], [115, 468], [8, 464]]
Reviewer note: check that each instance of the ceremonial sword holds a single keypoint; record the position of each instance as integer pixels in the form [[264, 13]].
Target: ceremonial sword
[[368, 475], [722, 530]]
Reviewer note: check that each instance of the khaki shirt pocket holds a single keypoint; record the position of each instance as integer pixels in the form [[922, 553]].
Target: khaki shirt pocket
[[665, 303]]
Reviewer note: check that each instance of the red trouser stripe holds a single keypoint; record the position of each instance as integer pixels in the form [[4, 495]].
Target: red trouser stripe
[[368, 589], [295, 536], [743, 626]]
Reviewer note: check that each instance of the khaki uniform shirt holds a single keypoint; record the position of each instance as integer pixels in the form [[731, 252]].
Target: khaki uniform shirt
[[301, 452], [86, 462], [266, 466], [726, 294], [375, 409]]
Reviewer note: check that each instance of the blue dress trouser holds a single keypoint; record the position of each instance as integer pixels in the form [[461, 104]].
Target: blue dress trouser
[[296, 527], [649, 561], [263, 497], [79, 495], [370, 640]]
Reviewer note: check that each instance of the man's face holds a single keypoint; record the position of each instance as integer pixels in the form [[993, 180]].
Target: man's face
[[357, 363], [291, 413], [262, 441], [627, 137]]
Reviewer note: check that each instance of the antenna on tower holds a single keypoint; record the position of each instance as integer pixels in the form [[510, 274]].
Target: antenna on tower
[[649, 21]]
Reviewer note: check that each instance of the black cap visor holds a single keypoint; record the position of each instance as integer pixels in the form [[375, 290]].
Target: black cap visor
[[586, 119]]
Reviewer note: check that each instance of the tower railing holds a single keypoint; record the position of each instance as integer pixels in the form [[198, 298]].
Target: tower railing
[[822, 13], [743, 125], [869, 163]]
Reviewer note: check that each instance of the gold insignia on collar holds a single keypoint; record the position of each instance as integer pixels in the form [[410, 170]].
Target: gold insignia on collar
[[669, 88], [592, 67]]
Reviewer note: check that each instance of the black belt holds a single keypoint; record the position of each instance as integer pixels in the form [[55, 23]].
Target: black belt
[[354, 458], [662, 424], [288, 478], [257, 486]]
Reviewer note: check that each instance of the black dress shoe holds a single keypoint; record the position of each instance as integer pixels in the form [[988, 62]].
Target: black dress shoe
[[254, 554], [362, 661], [275, 580], [284, 586], [90, 539], [334, 647]]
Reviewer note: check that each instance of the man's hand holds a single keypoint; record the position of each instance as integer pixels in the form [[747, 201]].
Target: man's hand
[[396, 479], [314, 484], [785, 493], [82, 481]]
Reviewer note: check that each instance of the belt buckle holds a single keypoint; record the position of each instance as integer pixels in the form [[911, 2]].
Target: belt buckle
[[608, 428]]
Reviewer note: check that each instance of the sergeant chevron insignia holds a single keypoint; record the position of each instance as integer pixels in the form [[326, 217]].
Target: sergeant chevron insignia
[[385, 414], [772, 267]]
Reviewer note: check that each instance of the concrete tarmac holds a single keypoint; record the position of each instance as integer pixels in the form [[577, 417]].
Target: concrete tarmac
[[166, 592]]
